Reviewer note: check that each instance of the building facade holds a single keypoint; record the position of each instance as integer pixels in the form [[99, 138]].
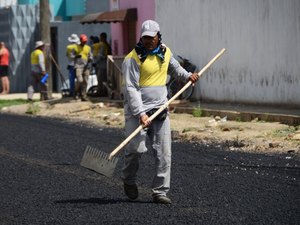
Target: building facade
[[262, 39], [19, 25]]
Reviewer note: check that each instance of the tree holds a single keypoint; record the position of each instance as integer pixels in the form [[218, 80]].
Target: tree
[[46, 38]]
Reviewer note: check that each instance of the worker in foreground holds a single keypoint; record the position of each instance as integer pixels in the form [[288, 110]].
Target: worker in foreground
[[145, 71]]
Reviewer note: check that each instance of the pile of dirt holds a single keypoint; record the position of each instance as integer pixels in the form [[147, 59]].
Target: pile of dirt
[[254, 136]]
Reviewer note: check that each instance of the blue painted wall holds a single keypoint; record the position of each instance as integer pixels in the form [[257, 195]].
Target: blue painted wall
[[75, 8], [28, 2], [63, 8]]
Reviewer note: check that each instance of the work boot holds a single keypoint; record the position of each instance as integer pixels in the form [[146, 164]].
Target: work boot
[[84, 99], [131, 191], [161, 199]]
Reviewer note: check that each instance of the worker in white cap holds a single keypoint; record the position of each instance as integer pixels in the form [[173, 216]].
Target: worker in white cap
[[74, 41], [38, 71], [145, 71]]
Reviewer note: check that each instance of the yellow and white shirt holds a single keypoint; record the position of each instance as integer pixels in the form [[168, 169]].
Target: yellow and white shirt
[[85, 53], [69, 49], [37, 61], [145, 83]]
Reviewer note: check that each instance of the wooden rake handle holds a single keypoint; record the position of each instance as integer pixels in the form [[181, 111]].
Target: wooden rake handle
[[134, 133]]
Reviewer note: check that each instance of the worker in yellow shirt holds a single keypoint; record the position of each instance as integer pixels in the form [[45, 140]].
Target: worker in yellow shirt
[[74, 41], [95, 51], [38, 71], [145, 71], [101, 62], [95, 46], [82, 64]]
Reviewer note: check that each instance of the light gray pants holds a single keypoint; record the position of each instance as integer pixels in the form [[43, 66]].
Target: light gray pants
[[159, 133], [82, 75]]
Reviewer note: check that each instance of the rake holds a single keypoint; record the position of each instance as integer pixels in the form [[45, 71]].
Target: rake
[[105, 163]]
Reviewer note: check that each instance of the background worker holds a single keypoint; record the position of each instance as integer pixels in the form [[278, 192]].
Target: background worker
[[38, 71], [74, 41], [145, 71], [101, 62], [4, 65], [91, 40], [83, 60], [95, 46], [95, 50]]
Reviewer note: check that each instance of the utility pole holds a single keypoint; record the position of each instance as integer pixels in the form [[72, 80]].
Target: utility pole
[[46, 38]]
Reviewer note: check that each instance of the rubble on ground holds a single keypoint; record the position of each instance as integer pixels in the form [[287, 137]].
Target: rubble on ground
[[254, 136]]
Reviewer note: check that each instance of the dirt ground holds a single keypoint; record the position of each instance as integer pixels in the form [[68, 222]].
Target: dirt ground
[[254, 136]]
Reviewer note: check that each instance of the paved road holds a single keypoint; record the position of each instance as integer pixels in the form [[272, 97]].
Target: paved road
[[41, 181]]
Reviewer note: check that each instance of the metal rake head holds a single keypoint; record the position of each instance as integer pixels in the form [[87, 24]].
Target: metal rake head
[[98, 161]]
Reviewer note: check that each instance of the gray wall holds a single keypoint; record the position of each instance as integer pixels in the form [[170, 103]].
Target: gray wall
[[95, 6], [262, 38], [19, 30], [65, 29]]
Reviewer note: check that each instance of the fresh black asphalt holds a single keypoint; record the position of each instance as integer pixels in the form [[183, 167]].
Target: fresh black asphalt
[[41, 181]]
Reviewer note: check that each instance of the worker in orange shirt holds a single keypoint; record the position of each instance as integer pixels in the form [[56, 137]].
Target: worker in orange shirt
[[83, 60]]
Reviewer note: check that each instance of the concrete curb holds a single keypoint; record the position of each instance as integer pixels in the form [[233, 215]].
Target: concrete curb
[[292, 120], [245, 113]]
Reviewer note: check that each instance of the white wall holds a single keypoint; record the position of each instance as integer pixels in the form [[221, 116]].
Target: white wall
[[262, 38], [7, 3]]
